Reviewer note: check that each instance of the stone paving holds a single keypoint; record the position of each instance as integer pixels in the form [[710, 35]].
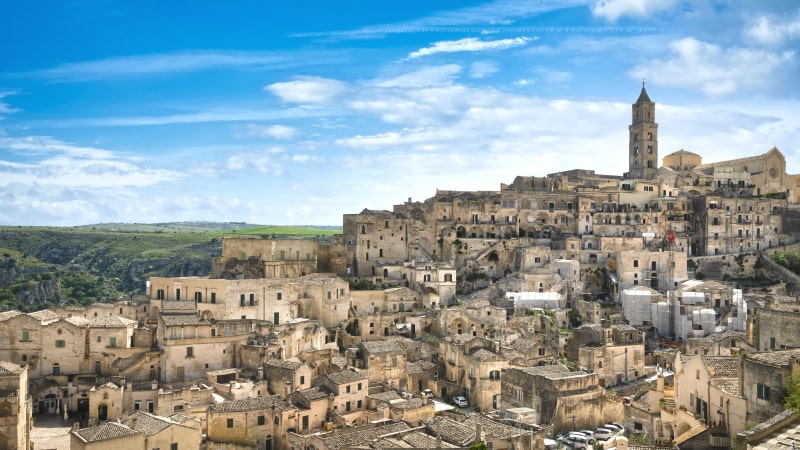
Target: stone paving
[[51, 432]]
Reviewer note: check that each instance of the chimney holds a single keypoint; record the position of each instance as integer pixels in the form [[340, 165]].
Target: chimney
[[478, 432]]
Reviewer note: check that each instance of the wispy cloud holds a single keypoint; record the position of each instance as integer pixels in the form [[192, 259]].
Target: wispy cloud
[[138, 65], [422, 77], [5, 107], [274, 131], [717, 71], [49, 161], [308, 90], [482, 69], [612, 10], [469, 45], [772, 31]]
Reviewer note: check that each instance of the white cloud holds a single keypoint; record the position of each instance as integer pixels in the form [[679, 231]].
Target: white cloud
[[5, 108], [614, 9], [264, 161], [775, 32], [716, 71], [482, 69], [132, 66], [274, 131], [308, 90], [469, 45], [422, 77]]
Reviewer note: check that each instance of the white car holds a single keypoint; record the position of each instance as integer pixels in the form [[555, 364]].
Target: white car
[[461, 401], [577, 441], [601, 434]]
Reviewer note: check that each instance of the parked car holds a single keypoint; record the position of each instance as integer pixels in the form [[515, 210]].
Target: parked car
[[589, 439], [461, 401], [614, 427], [576, 440], [602, 434], [588, 433], [427, 393]]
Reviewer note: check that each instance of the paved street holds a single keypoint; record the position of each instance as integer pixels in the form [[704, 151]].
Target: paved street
[[51, 432]]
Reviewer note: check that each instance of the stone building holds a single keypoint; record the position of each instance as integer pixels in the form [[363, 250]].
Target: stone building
[[261, 422], [264, 257], [616, 356], [286, 376], [106, 435], [774, 327], [350, 389], [764, 379], [567, 400], [382, 361], [709, 387], [15, 407], [643, 139], [164, 432]]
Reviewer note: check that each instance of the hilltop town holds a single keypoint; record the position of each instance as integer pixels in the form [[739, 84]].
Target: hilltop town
[[571, 301]]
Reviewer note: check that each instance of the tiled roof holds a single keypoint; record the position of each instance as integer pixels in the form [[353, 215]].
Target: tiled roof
[[390, 346], [172, 320], [727, 385], [108, 430], [454, 432], [148, 424], [180, 305], [252, 404], [78, 321], [722, 366], [312, 394], [556, 369], [111, 321], [345, 376], [5, 315], [718, 337], [390, 443], [420, 367], [495, 429], [44, 315], [385, 396], [421, 440], [775, 357], [363, 435], [485, 355], [284, 363]]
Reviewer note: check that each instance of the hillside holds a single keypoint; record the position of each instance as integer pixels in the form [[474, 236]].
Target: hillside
[[40, 266]]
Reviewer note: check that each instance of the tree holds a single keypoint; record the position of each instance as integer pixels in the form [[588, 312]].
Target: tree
[[792, 397]]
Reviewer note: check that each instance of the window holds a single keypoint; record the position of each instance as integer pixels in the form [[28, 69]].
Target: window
[[252, 299], [60, 343], [173, 446], [213, 297], [230, 423], [762, 391], [635, 263], [137, 405], [177, 294], [359, 386], [358, 404], [283, 255], [190, 352], [160, 294], [177, 408], [112, 342], [99, 338], [56, 369], [772, 343], [26, 336], [347, 406], [280, 296], [198, 297], [241, 300], [302, 379], [347, 389], [261, 420]]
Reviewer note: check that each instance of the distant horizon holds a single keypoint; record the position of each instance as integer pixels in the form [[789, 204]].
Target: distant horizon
[[301, 112]]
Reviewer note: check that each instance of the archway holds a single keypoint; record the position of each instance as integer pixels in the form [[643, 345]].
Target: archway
[[102, 412], [461, 232]]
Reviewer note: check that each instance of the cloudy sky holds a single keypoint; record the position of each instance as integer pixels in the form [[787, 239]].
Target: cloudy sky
[[296, 112]]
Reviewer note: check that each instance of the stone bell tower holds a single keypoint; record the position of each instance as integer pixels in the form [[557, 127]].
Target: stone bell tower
[[643, 139]]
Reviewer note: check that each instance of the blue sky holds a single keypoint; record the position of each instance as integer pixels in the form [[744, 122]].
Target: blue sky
[[298, 112]]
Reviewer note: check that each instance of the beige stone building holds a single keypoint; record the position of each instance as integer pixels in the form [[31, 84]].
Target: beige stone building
[[261, 422], [163, 432], [105, 436], [349, 389], [15, 407]]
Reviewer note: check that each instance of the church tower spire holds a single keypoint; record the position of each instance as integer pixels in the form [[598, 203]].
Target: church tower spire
[[643, 139]]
